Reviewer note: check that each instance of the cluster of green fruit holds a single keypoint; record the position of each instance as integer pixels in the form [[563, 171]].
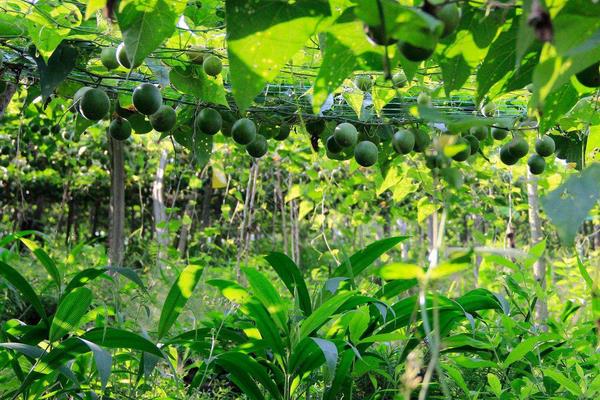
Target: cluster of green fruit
[[44, 129], [346, 136], [518, 148]]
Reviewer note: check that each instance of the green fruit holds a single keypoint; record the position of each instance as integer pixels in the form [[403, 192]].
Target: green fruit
[[108, 57], [243, 131], [365, 153], [590, 76], [77, 96], [403, 141], [209, 121], [545, 146], [489, 109], [450, 16], [139, 123], [147, 98], [120, 129], [536, 164], [423, 99], [226, 128], [34, 127], [463, 154], [506, 156], [422, 141], [345, 134], [480, 132], [363, 82], [499, 133], [332, 146], [258, 147], [55, 128], [123, 59], [164, 119], [414, 53], [315, 127], [44, 131], [378, 36], [283, 132], [399, 79], [212, 65], [196, 55], [518, 147], [94, 104], [473, 142], [430, 161]]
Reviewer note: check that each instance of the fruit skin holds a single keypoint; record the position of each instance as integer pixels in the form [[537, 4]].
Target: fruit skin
[[399, 79], [545, 146], [44, 131], [209, 121], [77, 96], [366, 153], [463, 154], [423, 99], [283, 132], [489, 109], [139, 124], [499, 133], [332, 146], [123, 59], [94, 104], [536, 164], [164, 119], [55, 128], [480, 132], [196, 55], [363, 82], [376, 34], [345, 134], [108, 57], [258, 147], [422, 141], [506, 156], [243, 131], [590, 76], [414, 53], [147, 98], [473, 142], [518, 147], [34, 127], [450, 16], [403, 141], [212, 65], [120, 129]]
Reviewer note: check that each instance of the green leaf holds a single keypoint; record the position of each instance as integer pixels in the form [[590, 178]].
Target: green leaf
[[563, 381], [93, 6], [12, 26], [558, 103], [494, 384], [103, 361], [178, 296], [342, 375], [145, 25], [262, 35], [322, 314], [526, 346], [455, 72], [457, 377], [194, 81], [330, 352], [569, 204], [452, 266], [60, 64], [129, 274], [362, 259], [584, 274], [401, 271], [69, 313], [20, 283], [292, 278], [243, 371], [50, 22], [44, 259], [264, 291]]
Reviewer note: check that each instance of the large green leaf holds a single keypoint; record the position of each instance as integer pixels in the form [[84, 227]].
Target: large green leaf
[[49, 22], [558, 103], [178, 296], [266, 293], [565, 382], [103, 360], [526, 346], [60, 64], [69, 313], [342, 375], [21, 284], [455, 72], [44, 259], [194, 81], [360, 260], [248, 370], [322, 314], [292, 278], [262, 35]]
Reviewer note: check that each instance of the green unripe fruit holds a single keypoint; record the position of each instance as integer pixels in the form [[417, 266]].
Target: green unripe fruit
[[590, 76], [77, 96], [243, 131], [332, 146], [489, 109], [139, 123], [463, 154], [196, 55], [212, 65], [283, 132], [258, 147], [545, 146], [422, 141], [414, 53], [345, 134], [506, 156], [403, 141], [55, 128], [123, 59], [499, 133], [480, 132], [473, 142], [423, 99], [147, 98], [34, 127], [536, 164], [378, 36], [164, 119], [94, 104], [44, 131], [315, 127], [430, 161], [226, 128], [108, 57], [365, 153], [518, 147], [120, 129], [450, 16], [363, 82], [399, 79], [209, 121]]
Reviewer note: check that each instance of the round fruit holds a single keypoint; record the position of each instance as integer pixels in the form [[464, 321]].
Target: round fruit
[[423, 99], [536, 164], [345, 134], [78, 94], [212, 65], [258, 147], [489, 109], [403, 141], [123, 59], [333, 146], [399, 79], [473, 142], [55, 128], [365, 153], [506, 156], [284, 131], [450, 16], [120, 129], [147, 98], [34, 127], [422, 141], [139, 123], [315, 127], [164, 119], [196, 55], [430, 161], [108, 57], [499, 133], [44, 131], [226, 128], [94, 104], [480, 132], [378, 36], [209, 121], [545, 146], [243, 131], [518, 147], [363, 82], [414, 53], [463, 154], [590, 76]]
